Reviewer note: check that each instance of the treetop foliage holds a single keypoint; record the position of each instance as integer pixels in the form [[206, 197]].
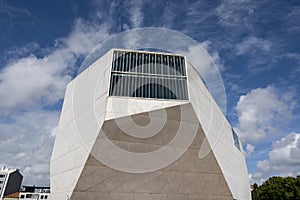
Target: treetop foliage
[[277, 188]]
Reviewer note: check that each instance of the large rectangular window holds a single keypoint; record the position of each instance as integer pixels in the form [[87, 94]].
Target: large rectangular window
[[148, 75]]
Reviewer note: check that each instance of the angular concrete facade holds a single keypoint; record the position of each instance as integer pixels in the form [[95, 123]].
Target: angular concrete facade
[[144, 143]]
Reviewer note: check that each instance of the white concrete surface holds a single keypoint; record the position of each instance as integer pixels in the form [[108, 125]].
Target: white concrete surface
[[81, 143]]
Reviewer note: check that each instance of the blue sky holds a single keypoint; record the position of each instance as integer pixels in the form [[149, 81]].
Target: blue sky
[[256, 45]]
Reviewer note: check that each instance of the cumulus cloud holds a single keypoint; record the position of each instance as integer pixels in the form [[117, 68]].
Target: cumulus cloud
[[32, 81], [35, 81], [29, 85], [262, 112], [286, 150], [283, 159]]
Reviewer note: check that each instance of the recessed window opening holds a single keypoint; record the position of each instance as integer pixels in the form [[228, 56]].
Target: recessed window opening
[[236, 140], [148, 75]]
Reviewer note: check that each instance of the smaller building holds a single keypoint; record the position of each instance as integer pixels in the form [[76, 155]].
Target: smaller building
[[34, 193], [10, 181]]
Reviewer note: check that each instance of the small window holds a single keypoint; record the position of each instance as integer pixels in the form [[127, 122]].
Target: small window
[[22, 196], [2, 175], [1, 182], [236, 140], [32, 196], [46, 196], [42, 196]]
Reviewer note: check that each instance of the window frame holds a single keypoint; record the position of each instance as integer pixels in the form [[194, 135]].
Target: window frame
[[148, 68]]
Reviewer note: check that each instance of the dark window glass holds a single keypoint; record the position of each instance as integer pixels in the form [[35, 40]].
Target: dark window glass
[[236, 140]]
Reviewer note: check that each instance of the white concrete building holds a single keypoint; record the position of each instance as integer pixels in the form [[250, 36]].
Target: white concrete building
[[34, 193], [10, 181], [143, 125]]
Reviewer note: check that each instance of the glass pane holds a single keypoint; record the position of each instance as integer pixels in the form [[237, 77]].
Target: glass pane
[[236, 140]]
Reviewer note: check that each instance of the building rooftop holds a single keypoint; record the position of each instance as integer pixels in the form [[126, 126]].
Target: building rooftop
[[13, 195], [7, 170], [35, 189]]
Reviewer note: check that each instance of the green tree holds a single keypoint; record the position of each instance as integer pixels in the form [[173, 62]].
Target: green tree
[[254, 192], [278, 188], [297, 184]]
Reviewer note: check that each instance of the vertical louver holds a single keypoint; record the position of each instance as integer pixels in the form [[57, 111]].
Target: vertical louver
[[148, 75]]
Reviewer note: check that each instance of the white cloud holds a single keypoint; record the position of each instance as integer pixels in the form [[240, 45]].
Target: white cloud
[[283, 159], [18, 52], [26, 143], [120, 15], [235, 13], [209, 66], [262, 111], [136, 15], [84, 37], [294, 56], [263, 165], [250, 149], [38, 81], [286, 150], [27, 86], [167, 19], [252, 44], [14, 12], [33, 82]]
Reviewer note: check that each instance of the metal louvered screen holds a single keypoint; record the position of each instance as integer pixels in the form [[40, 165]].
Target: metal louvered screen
[[148, 75]]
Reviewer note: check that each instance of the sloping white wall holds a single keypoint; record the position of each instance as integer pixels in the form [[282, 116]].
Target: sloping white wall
[[219, 137], [80, 122]]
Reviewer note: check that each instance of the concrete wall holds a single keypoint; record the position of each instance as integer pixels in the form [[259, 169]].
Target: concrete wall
[[71, 148], [219, 136], [211, 168], [186, 177]]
